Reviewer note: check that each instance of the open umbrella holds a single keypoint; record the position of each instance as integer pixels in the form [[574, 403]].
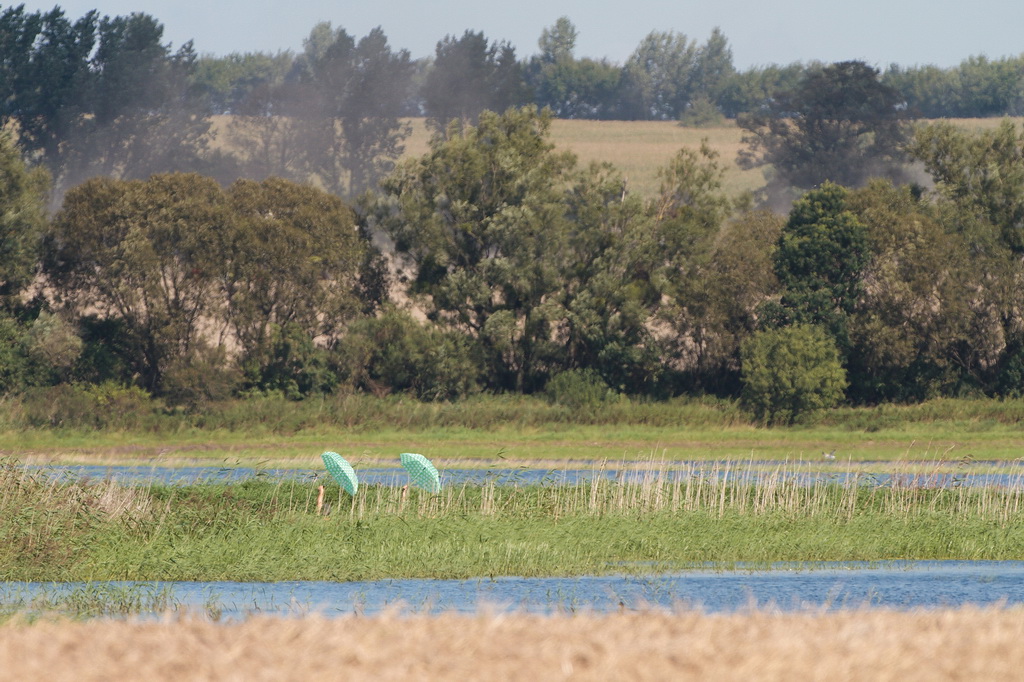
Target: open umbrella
[[342, 471], [421, 471]]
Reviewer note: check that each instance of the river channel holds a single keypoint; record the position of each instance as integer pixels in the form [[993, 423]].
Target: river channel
[[895, 585], [902, 585], [1003, 474]]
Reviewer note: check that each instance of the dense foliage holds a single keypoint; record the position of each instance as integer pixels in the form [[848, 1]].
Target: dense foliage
[[839, 123], [791, 372], [509, 268], [493, 262]]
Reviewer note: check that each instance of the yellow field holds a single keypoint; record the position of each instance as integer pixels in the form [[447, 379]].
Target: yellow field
[[977, 125], [966, 644], [639, 149]]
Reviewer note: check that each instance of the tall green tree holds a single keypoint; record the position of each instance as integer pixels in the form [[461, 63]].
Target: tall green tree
[[144, 253], [930, 91], [719, 300], [22, 220], [978, 179], [991, 87], [754, 89], [46, 77], [982, 174], [570, 87], [607, 298], [840, 124], [713, 66], [920, 325], [292, 256], [100, 96], [577, 88], [357, 92], [23, 195], [685, 219], [558, 42], [659, 76], [226, 83], [470, 75], [146, 117], [819, 260], [481, 218], [270, 130]]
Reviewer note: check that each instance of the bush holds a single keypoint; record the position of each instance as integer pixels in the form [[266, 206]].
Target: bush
[[205, 375], [395, 353], [702, 113], [578, 388], [105, 406], [790, 373], [54, 346], [14, 362], [293, 364]]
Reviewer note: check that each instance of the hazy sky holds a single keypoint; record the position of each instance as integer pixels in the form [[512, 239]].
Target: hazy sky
[[881, 32]]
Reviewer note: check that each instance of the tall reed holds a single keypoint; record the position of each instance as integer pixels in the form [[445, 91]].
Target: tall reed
[[789, 488], [658, 514]]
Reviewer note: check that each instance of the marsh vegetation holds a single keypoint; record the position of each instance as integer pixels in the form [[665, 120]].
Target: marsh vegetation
[[265, 530]]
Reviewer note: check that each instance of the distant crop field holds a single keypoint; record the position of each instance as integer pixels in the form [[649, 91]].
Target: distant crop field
[[639, 149], [977, 125]]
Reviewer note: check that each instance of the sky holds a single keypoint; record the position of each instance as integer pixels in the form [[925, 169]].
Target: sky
[[760, 32]]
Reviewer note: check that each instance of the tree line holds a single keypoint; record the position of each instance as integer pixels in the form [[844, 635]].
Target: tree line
[[668, 76], [101, 95], [497, 263], [881, 262]]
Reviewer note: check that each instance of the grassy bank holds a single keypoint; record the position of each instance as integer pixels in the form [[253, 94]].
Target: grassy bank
[[77, 428], [264, 530]]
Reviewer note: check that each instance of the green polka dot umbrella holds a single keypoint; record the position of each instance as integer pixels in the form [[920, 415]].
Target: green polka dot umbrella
[[421, 471], [342, 471]]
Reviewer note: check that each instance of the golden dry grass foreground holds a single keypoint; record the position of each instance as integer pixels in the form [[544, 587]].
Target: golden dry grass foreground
[[964, 644]]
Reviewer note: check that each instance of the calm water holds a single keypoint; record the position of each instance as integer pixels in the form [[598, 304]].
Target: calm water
[[896, 585], [1010, 475]]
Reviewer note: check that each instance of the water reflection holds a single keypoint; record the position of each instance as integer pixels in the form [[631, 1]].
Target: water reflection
[[895, 585]]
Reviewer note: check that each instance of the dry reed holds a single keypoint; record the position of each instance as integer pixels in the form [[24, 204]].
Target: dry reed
[[790, 488], [964, 644]]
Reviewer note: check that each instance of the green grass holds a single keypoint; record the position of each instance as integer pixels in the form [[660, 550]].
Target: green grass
[[493, 430], [265, 530]]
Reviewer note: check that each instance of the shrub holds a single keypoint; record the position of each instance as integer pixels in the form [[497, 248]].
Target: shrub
[[790, 373], [577, 388], [396, 353], [104, 406], [54, 346], [702, 113], [293, 364], [204, 375]]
